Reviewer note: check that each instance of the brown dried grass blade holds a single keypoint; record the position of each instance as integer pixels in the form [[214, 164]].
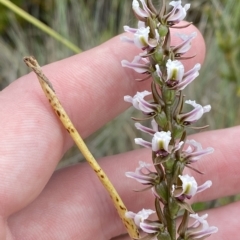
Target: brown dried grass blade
[[67, 123]]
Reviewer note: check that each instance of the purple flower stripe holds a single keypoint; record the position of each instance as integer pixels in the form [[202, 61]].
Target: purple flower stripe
[[140, 12], [200, 228], [203, 233], [170, 15], [194, 156], [176, 16], [138, 67], [186, 81], [144, 179], [193, 115], [196, 68], [139, 103], [144, 129], [150, 227], [144, 108], [188, 78], [185, 45], [146, 105], [145, 7], [178, 12], [143, 143]]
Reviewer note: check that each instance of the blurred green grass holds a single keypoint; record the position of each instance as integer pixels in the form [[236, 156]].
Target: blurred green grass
[[89, 23]]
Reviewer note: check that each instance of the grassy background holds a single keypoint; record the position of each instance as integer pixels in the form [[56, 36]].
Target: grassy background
[[88, 23]]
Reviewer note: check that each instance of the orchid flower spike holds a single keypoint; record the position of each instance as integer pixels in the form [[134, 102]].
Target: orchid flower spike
[[171, 151]]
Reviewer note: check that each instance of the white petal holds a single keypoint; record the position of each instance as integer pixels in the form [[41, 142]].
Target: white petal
[[189, 185], [161, 141]]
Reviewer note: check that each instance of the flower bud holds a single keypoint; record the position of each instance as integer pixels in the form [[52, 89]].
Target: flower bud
[[161, 141], [163, 30]]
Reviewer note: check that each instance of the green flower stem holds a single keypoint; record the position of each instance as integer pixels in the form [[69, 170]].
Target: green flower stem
[[171, 221], [40, 25]]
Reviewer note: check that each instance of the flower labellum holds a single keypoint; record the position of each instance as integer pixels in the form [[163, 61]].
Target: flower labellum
[[189, 187], [161, 141], [175, 71], [176, 78]]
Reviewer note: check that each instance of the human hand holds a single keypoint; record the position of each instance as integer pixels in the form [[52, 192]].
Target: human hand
[[38, 203]]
